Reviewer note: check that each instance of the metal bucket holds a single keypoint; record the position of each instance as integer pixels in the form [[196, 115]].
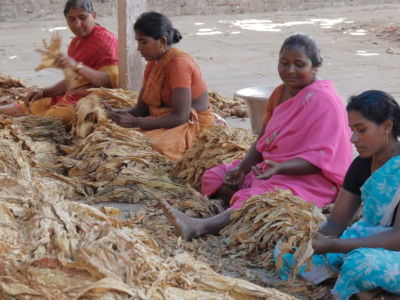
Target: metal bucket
[[256, 99]]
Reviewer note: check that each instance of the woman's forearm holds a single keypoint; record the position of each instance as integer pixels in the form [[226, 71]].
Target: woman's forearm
[[252, 158], [328, 228], [167, 121], [60, 88], [134, 111], [96, 78], [141, 109], [346, 205], [297, 166], [389, 240]]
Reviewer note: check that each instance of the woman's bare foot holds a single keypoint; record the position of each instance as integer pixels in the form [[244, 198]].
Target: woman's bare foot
[[185, 226]]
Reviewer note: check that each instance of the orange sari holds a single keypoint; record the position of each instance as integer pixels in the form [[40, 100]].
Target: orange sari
[[172, 142]]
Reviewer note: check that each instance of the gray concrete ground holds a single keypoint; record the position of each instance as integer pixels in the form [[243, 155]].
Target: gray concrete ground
[[360, 46], [236, 51]]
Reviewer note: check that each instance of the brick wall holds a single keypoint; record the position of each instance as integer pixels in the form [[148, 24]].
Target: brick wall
[[48, 9], [190, 7]]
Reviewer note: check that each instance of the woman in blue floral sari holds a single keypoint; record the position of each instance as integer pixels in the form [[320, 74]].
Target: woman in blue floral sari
[[365, 256]]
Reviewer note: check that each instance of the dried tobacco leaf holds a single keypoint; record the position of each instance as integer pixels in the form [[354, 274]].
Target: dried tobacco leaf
[[68, 250], [7, 82], [117, 98], [213, 147], [274, 216], [227, 107], [49, 56], [50, 52]]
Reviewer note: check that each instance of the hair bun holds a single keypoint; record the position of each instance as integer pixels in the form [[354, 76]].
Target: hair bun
[[176, 36]]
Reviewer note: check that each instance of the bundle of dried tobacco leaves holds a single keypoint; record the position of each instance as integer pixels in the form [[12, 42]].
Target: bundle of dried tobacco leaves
[[52, 248], [12, 89], [6, 82], [49, 59], [213, 147], [266, 219], [43, 129], [227, 107], [112, 163], [117, 98]]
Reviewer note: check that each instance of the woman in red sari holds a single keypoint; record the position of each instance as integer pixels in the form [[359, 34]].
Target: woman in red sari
[[92, 54]]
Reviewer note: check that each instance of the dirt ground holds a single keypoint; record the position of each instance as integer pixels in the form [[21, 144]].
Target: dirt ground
[[360, 47]]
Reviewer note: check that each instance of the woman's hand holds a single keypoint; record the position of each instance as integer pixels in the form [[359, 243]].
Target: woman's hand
[[81, 91], [323, 244], [108, 107], [65, 61], [273, 169], [33, 96], [122, 118], [235, 176]]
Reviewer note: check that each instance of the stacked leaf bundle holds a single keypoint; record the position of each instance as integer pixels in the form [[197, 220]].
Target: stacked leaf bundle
[[224, 107], [227, 107], [43, 129], [112, 163], [12, 89], [42, 136], [54, 248], [117, 98], [214, 146], [6, 82], [266, 219], [42, 153]]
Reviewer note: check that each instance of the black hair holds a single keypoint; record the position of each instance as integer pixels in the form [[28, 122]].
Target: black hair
[[377, 106], [157, 25], [310, 45], [86, 5]]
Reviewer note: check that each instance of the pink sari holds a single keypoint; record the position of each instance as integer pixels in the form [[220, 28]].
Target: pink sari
[[313, 126]]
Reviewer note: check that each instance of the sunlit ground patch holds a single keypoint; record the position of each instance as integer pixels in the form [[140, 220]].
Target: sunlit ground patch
[[54, 28], [365, 53]]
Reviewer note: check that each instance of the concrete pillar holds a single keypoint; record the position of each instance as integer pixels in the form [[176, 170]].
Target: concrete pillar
[[131, 64]]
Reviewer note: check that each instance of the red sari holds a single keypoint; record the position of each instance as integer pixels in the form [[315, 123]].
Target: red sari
[[99, 51]]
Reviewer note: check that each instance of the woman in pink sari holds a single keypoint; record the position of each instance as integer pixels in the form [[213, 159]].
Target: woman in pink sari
[[304, 145]]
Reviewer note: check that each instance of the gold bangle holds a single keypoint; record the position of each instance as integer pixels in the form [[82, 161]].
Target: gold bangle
[[78, 66]]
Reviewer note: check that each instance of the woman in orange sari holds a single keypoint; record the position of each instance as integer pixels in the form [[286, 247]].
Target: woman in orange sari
[[92, 54], [173, 101]]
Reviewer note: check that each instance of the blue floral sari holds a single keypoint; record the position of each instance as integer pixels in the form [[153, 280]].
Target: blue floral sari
[[362, 269]]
